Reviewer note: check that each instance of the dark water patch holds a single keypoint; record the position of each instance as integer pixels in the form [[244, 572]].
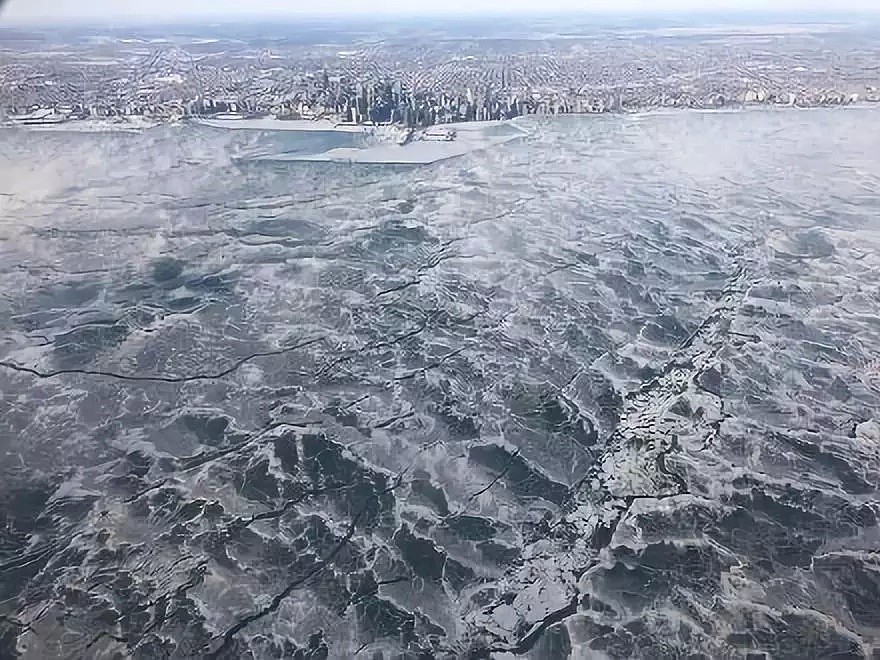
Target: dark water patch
[[840, 390], [498, 552], [341, 415], [396, 235], [546, 409], [278, 647], [428, 561], [554, 644], [284, 226], [766, 542], [182, 304], [711, 380], [596, 389], [654, 572], [320, 539], [257, 483], [383, 619], [82, 346], [518, 474], [665, 329], [425, 491], [65, 295], [127, 484], [857, 579], [366, 491], [635, 268], [130, 472], [787, 526], [21, 518], [167, 269], [848, 475], [21, 508], [460, 425], [191, 510], [217, 284], [472, 528], [624, 289], [287, 452], [649, 636], [208, 429], [163, 503], [792, 636], [10, 629], [812, 244], [406, 206]]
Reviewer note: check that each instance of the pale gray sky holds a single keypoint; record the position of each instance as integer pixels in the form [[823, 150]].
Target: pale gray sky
[[27, 10]]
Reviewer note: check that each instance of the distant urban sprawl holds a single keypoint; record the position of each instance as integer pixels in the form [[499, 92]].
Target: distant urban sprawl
[[414, 79]]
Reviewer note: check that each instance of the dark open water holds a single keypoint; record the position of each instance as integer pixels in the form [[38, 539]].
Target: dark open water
[[606, 392]]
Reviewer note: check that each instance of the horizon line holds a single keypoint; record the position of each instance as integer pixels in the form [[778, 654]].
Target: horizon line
[[140, 20]]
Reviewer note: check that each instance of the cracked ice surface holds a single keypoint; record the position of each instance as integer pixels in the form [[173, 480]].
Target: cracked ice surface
[[609, 391]]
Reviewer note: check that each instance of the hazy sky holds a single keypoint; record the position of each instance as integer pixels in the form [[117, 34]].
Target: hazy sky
[[27, 10]]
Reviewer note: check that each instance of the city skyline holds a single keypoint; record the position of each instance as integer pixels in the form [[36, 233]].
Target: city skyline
[[35, 11]]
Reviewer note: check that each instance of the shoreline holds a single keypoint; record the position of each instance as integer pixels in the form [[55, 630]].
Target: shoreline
[[275, 124], [128, 124], [91, 125]]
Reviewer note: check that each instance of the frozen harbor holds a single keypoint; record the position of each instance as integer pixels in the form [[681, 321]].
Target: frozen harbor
[[386, 147]]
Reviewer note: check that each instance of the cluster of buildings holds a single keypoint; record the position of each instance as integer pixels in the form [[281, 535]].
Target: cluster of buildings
[[411, 83]]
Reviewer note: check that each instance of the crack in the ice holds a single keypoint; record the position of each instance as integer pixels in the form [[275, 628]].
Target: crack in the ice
[[279, 598], [159, 379], [289, 504], [399, 287]]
